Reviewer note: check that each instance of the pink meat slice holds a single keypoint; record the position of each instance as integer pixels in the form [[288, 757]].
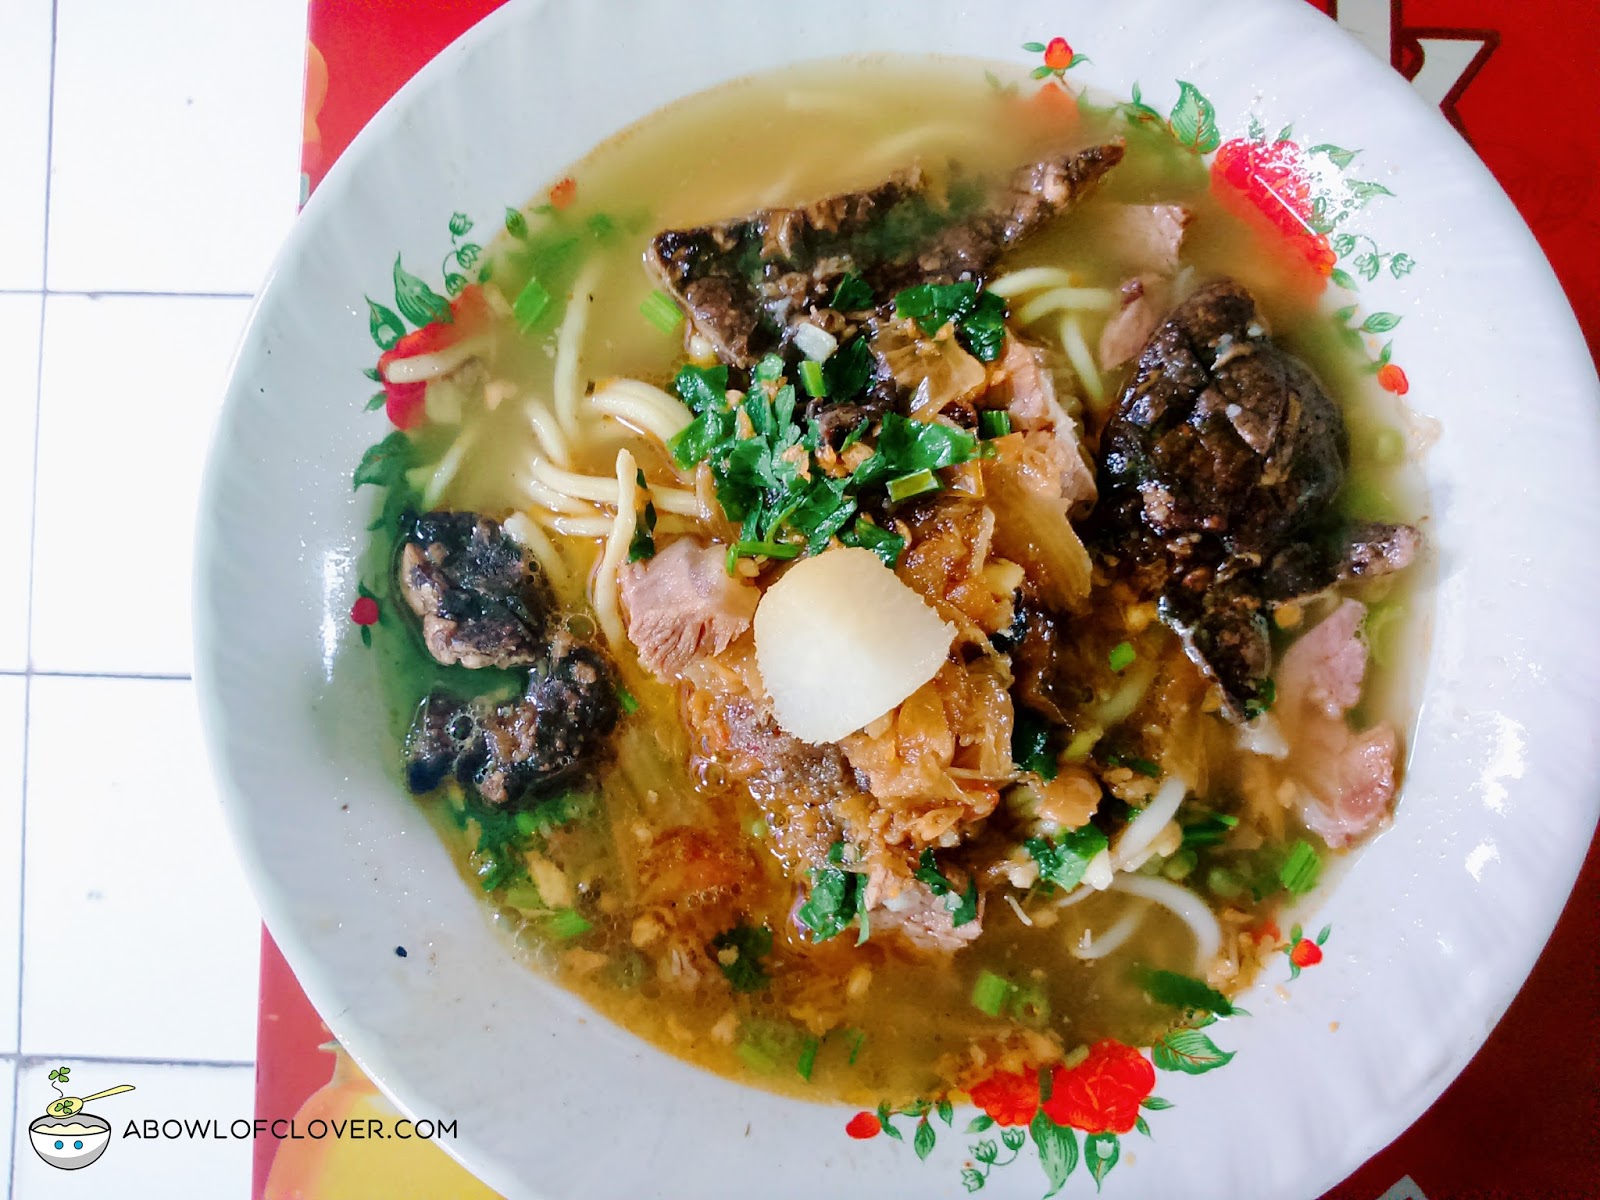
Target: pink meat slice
[[1348, 776], [682, 604]]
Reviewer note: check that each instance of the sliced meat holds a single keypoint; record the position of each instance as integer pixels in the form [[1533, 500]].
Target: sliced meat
[[1223, 454], [1144, 303], [481, 597], [1145, 237], [1052, 450], [1365, 551], [1324, 669], [1347, 778], [923, 919], [683, 603], [508, 751], [745, 283]]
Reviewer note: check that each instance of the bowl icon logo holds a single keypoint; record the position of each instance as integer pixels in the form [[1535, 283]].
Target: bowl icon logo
[[66, 1136]]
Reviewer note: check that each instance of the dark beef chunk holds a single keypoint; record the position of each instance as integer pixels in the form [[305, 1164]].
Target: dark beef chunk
[[446, 741], [1048, 668], [557, 728], [744, 283], [481, 598], [1222, 462], [549, 737]]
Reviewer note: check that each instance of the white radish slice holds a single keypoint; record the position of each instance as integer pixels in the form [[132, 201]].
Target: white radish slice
[[840, 641]]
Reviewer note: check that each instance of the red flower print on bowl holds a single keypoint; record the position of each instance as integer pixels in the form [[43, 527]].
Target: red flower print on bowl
[[1270, 181], [1101, 1094], [1392, 379], [1304, 951], [1009, 1098], [364, 611], [863, 1126]]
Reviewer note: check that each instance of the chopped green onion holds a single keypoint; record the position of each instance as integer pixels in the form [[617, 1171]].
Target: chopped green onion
[[1122, 656], [759, 828], [530, 304], [1180, 865], [1300, 870], [808, 1058], [524, 896], [627, 701], [1224, 884], [1030, 1005], [994, 422], [916, 484], [743, 549], [567, 923], [755, 1056], [990, 993], [811, 379], [855, 1045], [526, 823], [660, 310]]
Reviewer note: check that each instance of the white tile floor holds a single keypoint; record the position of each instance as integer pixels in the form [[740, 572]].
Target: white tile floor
[[148, 170]]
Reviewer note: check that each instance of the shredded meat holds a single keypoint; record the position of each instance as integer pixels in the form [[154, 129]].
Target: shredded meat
[[1146, 237], [682, 604]]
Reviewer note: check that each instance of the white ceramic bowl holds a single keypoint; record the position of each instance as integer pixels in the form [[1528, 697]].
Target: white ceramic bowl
[[1436, 924]]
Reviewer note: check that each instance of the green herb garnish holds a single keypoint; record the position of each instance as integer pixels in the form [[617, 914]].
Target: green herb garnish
[[1030, 745], [1122, 656], [567, 923], [1064, 859], [837, 898], [750, 944], [1183, 992], [849, 369], [1209, 830], [981, 320], [994, 422], [852, 294]]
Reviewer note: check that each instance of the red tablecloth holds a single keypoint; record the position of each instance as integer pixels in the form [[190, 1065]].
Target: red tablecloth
[[1523, 1121]]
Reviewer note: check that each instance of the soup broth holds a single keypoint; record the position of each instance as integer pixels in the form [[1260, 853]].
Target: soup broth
[[663, 883]]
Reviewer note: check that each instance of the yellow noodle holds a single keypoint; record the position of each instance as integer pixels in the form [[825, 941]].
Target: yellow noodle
[[1077, 348], [1031, 279], [606, 601], [449, 465], [545, 427], [548, 497], [648, 409], [902, 145], [525, 531], [420, 368], [1069, 299], [569, 347], [604, 491]]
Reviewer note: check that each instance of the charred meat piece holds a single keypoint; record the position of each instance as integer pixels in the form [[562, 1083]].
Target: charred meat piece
[[1223, 457], [547, 738], [744, 283], [482, 598]]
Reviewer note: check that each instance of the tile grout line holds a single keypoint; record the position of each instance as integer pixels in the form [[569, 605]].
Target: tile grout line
[[114, 294], [23, 1060], [33, 529], [158, 676]]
